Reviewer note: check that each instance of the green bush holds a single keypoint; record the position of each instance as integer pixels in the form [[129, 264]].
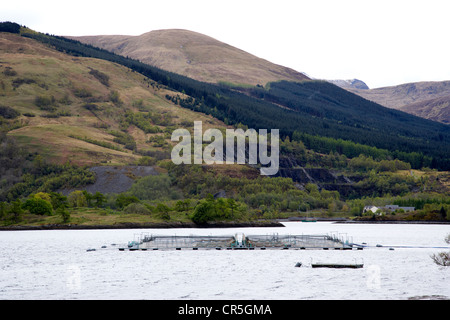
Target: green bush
[[154, 187], [141, 121], [65, 215], [146, 161], [99, 198], [77, 199], [82, 93], [38, 206], [45, 103], [204, 212], [124, 138], [103, 78], [137, 208], [114, 97], [8, 112], [210, 209], [123, 200], [182, 205]]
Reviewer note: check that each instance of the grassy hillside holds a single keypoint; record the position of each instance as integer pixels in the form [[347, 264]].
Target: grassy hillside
[[72, 108], [195, 55]]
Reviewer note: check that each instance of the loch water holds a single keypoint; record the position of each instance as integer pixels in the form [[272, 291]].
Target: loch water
[[57, 264]]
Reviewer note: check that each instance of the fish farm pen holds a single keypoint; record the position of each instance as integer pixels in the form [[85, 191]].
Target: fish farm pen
[[239, 241]]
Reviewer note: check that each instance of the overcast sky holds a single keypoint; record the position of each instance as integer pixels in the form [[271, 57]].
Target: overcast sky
[[382, 42]]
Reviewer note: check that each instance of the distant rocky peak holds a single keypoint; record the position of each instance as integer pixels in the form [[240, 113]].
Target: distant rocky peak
[[350, 84]]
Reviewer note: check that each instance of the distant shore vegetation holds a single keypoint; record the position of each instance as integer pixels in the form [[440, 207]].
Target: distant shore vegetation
[[189, 193]]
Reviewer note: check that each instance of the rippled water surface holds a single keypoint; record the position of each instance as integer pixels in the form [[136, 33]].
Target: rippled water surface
[[55, 264]]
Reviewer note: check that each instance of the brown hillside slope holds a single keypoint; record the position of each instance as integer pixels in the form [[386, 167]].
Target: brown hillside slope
[[437, 109], [195, 55], [416, 98], [71, 107]]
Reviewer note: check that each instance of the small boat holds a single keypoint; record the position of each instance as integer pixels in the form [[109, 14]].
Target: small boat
[[338, 265]]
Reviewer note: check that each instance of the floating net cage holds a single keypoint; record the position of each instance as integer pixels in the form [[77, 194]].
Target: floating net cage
[[237, 241]]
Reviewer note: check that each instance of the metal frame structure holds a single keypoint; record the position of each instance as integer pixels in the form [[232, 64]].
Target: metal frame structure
[[239, 241]]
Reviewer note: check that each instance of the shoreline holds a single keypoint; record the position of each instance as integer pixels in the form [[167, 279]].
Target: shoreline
[[156, 225], [175, 225], [394, 222], [350, 221]]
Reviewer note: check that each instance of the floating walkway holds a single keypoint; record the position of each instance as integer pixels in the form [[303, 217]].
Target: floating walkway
[[239, 241], [333, 265], [337, 265]]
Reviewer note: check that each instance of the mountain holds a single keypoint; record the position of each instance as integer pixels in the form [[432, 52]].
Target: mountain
[[309, 110], [195, 55], [73, 104], [424, 99], [206, 59], [76, 117]]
